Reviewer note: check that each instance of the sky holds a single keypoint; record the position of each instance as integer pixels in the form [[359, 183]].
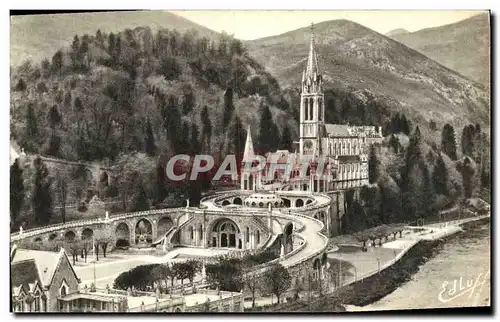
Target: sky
[[248, 25]]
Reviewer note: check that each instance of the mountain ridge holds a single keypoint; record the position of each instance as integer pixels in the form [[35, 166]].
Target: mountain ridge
[[372, 66], [38, 36], [462, 46]]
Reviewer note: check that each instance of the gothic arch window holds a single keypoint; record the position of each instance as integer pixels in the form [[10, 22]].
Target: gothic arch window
[[349, 148], [311, 111], [306, 109], [320, 109], [191, 231], [258, 237], [63, 290], [343, 147]]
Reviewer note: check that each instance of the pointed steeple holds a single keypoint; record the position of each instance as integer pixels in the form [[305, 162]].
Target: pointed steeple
[[248, 152], [312, 60]]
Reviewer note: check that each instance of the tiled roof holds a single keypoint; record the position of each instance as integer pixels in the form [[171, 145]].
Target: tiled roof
[[46, 262], [337, 129], [24, 273]]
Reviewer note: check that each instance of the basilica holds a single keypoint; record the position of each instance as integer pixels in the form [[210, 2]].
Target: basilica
[[342, 149]]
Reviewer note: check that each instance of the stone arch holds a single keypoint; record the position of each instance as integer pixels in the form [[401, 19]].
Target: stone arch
[[143, 231], [308, 201], [38, 240], [286, 202], [52, 237], [299, 203], [224, 232], [164, 225], [69, 235], [87, 233], [177, 310], [288, 228], [238, 201], [225, 202], [122, 233]]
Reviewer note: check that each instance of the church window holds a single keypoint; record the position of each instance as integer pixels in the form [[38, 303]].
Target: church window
[[320, 109], [311, 112], [306, 109]]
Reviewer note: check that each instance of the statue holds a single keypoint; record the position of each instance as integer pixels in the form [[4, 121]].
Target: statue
[[203, 272], [269, 207], [165, 243], [107, 215], [187, 203], [282, 253], [20, 230]]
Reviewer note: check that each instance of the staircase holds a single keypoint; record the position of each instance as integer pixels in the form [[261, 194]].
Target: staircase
[[260, 224], [171, 232]]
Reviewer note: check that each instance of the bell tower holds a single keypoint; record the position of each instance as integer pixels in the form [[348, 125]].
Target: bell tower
[[312, 112]]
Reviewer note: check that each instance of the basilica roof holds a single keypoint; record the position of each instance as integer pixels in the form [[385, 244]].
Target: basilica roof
[[337, 129]]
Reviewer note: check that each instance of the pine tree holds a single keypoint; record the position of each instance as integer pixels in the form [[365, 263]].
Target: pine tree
[[238, 136], [373, 166], [228, 108], [150, 146], [41, 198], [20, 86], [207, 127], [54, 146], [57, 60], [195, 143], [468, 171], [265, 131], [54, 117], [140, 201], [440, 177], [448, 143], [16, 193], [286, 142], [31, 124], [404, 125], [160, 187], [394, 144]]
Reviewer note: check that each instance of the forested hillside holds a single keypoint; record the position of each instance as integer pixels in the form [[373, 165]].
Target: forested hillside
[[137, 91], [129, 101]]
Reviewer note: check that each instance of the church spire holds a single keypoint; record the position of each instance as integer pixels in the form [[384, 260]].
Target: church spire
[[312, 60], [248, 152]]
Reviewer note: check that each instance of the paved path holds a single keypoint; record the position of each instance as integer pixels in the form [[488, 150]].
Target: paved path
[[107, 272]]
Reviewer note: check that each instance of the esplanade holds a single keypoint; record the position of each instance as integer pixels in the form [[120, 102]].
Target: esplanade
[[290, 221]]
